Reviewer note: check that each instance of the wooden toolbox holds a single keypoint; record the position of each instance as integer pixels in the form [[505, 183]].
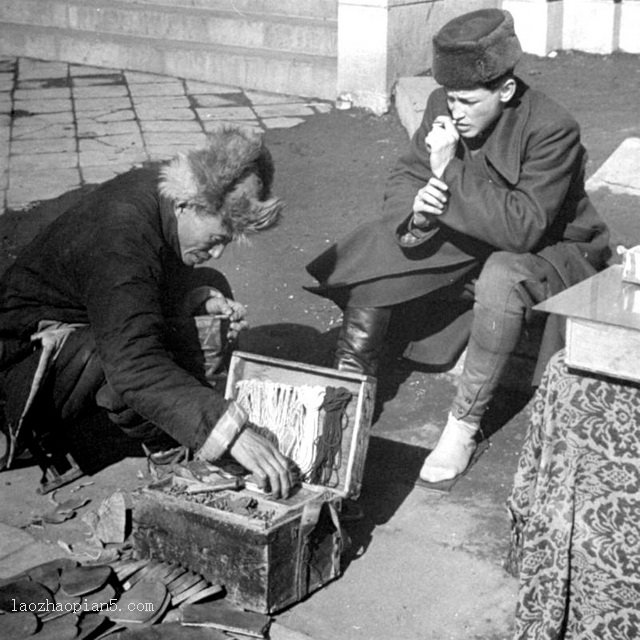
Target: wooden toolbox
[[271, 553]]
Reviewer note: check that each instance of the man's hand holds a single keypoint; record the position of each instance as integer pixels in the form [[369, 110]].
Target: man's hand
[[441, 142], [431, 199], [270, 468], [209, 301]]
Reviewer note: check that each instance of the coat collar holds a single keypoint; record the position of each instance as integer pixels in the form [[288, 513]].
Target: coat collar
[[169, 223], [503, 148]]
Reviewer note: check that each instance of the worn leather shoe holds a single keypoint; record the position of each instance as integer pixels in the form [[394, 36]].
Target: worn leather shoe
[[452, 454]]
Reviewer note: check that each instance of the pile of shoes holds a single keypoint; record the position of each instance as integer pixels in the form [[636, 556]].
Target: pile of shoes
[[58, 599], [124, 600]]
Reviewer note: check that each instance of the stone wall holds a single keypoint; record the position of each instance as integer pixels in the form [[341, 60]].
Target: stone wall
[[595, 26]]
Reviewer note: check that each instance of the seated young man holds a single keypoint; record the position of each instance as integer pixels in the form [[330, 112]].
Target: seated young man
[[98, 308], [488, 205]]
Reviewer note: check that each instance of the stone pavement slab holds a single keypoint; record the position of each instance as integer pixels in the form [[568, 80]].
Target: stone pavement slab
[[621, 172], [615, 191], [93, 123]]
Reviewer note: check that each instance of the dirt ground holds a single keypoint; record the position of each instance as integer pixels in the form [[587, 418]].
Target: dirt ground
[[331, 172]]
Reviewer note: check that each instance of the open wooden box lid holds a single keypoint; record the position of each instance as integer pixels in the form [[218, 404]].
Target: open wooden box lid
[[343, 474]]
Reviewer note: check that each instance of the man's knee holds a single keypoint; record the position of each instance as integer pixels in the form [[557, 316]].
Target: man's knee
[[119, 413], [501, 275]]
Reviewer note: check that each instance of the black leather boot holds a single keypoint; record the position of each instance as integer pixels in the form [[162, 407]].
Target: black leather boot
[[361, 339]]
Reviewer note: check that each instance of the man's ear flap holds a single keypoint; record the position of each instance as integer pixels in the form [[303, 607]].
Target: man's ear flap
[[508, 90]]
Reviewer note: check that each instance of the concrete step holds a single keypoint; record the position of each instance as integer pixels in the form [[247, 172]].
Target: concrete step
[[411, 94], [261, 69], [327, 9], [304, 34]]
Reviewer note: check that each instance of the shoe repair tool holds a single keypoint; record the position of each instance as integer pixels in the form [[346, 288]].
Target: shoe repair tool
[[58, 467], [205, 487], [205, 481]]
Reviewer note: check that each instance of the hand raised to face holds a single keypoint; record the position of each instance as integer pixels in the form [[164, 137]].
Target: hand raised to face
[[441, 142]]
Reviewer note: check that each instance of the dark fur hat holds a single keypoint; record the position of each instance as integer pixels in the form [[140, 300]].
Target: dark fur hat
[[475, 48], [216, 180]]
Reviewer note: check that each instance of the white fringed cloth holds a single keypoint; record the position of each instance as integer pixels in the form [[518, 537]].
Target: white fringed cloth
[[305, 422]]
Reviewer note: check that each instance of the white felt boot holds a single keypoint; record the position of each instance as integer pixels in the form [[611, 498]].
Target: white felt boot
[[453, 452]]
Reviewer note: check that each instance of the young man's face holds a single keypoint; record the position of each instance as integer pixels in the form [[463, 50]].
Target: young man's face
[[201, 236], [473, 111]]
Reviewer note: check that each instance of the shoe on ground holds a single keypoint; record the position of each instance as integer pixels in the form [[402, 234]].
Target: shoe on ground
[[452, 454]]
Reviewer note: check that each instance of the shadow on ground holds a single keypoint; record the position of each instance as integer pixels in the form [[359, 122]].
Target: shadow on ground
[[291, 341]]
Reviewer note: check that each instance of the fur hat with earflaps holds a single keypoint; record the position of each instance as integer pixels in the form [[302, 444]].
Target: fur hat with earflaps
[[475, 48], [229, 177]]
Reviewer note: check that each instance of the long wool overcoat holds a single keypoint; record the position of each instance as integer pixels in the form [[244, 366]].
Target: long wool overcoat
[[522, 191]]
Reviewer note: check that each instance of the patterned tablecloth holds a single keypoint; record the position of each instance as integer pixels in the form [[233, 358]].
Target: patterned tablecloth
[[576, 510]]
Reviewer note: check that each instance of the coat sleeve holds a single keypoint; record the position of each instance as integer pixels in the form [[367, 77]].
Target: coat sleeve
[[516, 217], [412, 170], [123, 299]]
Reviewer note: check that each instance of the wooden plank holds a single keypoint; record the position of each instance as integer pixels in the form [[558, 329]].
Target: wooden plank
[[359, 441], [247, 359]]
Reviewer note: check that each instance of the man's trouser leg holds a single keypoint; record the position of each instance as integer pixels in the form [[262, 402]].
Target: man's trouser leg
[[76, 375], [508, 286], [39, 401]]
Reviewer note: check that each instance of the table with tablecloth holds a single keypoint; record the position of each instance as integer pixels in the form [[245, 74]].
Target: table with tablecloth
[[575, 507]]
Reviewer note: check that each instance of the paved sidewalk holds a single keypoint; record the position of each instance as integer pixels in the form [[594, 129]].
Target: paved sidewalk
[[65, 125]]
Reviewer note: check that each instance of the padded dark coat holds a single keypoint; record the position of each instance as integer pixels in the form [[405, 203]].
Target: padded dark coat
[[111, 260]]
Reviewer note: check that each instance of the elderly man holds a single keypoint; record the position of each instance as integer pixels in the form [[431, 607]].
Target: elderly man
[[487, 208], [100, 307]]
